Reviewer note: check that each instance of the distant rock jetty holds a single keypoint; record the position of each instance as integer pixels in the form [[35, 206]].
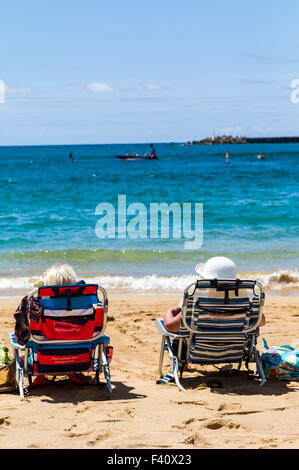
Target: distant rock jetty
[[229, 139]]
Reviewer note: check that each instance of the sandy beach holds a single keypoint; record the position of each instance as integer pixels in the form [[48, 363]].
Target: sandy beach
[[141, 414]]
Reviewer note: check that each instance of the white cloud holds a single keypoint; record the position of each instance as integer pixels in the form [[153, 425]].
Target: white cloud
[[154, 87], [99, 87]]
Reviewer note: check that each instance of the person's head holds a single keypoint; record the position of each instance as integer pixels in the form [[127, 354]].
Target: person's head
[[218, 267], [59, 274]]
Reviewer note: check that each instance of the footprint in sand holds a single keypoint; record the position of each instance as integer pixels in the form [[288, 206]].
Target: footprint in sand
[[5, 421], [196, 440], [70, 428], [80, 430], [269, 443], [79, 434], [82, 409], [201, 402], [229, 406], [189, 421], [111, 420], [220, 423], [125, 413], [36, 446], [98, 438]]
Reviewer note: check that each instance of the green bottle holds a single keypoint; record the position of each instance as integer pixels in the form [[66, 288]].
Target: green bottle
[[4, 357]]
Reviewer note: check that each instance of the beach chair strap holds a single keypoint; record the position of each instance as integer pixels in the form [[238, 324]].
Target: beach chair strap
[[226, 288], [223, 311]]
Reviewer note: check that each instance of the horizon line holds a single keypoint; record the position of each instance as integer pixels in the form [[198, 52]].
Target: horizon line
[[148, 142]]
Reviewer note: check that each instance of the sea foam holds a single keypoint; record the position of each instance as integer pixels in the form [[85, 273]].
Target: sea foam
[[278, 280]]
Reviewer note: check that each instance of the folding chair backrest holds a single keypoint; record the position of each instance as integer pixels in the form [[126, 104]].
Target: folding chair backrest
[[218, 312], [71, 313]]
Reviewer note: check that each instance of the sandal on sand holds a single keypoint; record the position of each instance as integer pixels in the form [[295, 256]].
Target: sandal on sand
[[166, 379]]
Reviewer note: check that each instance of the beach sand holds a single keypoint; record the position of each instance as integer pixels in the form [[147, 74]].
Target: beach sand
[[141, 414]]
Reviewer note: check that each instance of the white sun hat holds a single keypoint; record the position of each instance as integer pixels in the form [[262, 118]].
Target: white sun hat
[[218, 267]]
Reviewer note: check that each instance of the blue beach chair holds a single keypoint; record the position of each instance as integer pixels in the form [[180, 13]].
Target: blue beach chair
[[67, 338], [219, 325]]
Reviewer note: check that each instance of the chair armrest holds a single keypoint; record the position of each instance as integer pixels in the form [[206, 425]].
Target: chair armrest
[[14, 343], [159, 323]]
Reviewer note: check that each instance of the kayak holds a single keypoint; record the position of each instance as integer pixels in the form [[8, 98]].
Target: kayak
[[132, 157]]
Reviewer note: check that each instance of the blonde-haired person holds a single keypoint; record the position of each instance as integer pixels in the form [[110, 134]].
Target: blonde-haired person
[[58, 274]]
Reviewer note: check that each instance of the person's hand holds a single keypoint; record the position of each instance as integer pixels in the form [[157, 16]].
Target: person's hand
[[176, 311]]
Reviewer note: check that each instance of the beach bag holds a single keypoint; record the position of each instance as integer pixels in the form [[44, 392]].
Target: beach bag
[[280, 362], [8, 380]]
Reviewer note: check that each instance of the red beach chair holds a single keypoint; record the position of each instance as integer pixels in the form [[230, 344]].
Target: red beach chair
[[67, 338]]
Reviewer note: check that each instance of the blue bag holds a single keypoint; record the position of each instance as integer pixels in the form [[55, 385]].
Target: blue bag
[[280, 362]]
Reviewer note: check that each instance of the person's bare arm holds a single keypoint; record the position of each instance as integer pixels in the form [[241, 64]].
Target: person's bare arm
[[172, 318]]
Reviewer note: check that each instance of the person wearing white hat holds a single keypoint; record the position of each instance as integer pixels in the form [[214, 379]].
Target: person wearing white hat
[[218, 267]]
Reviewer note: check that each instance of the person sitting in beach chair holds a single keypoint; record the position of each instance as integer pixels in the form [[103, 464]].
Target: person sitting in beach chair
[[60, 326], [55, 275], [217, 321], [218, 267]]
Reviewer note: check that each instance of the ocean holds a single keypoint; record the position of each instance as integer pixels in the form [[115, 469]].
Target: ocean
[[48, 213]]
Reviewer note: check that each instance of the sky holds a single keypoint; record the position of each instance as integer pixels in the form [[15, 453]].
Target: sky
[[97, 72]]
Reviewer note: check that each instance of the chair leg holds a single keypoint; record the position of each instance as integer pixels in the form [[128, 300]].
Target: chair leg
[[97, 377], [19, 373], [175, 368], [20, 378], [259, 366], [174, 363], [98, 366], [161, 356], [106, 371], [107, 377]]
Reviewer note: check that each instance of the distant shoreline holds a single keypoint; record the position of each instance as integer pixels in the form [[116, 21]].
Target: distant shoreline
[[220, 140]]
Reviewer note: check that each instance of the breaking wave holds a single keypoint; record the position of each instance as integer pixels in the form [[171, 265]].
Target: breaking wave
[[278, 280]]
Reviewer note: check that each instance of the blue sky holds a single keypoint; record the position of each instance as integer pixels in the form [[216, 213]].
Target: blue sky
[[135, 71]]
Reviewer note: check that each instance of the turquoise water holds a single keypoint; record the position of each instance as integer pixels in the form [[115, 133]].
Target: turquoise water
[[47, 209]]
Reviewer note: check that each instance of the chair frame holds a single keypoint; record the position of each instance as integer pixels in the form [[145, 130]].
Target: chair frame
[[176, 360]]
